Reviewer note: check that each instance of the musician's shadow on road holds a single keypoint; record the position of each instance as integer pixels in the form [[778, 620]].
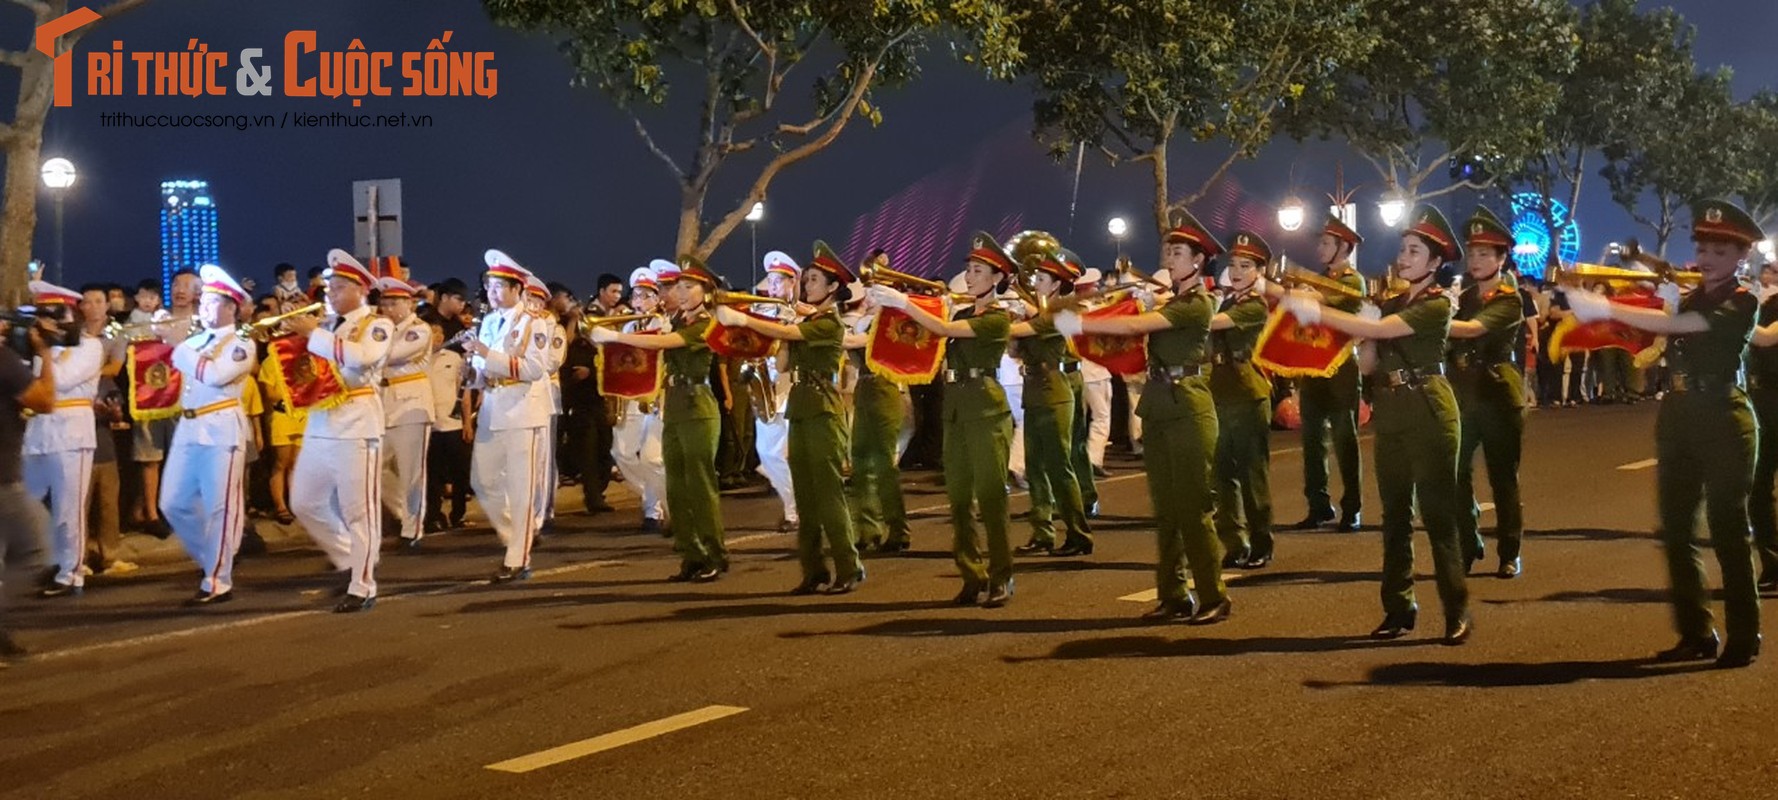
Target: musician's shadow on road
[[1590, 534], [1500, 674], [1173, 647]]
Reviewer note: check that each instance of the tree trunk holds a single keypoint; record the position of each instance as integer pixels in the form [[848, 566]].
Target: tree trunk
[[1162, 206], [18, 214], [691, 223]]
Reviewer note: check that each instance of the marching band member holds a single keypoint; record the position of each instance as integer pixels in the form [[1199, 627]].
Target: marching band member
[[977, 419], [879, 432], [407, 409], [1243, 397], [636, 438], [771, 429], [1329, 406], [689, 429], [58, 446], [335, 489], [510, 356], [1179, 416], [537, 297], [1705, 433], [817, 436], [1490, 390], [1096, 396], [1416, 422], [1052, 374], [202, 495]]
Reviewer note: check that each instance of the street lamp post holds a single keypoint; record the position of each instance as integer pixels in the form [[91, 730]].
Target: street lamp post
[[58, 175], [754, 215], [1117, 227]]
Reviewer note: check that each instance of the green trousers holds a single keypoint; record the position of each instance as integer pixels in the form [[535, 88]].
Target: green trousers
[[1705, 442], [1761, 510], [1329, 408], [1416, 456], [1244, 476], [1077, 446], [1177, 453], [817, 463], [1049, 468], [879, 513], [975, 477], [688, 452], [1497, 428]]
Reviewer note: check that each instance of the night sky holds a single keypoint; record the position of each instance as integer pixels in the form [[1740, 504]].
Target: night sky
[[555, 176]]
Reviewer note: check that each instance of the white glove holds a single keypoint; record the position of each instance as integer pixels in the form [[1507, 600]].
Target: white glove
[[1370, 311], [1144, 297], [602, 335], [730, 317], [1588, 306], [888, 296], [863, 323], [1669, 294], [1766, 292], [1303, 307], [1067, 323]]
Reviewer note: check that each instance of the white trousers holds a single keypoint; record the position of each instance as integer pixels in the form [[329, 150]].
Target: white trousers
[[334, 493], [1098, 399], [772, 441], [546, 488], [636, 447], [64, 480], [404, 475], [1015, 458], [505, 471], [1133, 385], [203, 497]]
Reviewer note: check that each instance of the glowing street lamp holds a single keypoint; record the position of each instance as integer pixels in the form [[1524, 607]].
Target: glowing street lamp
[[754, 215], [1291, 214], [1392, 208], [1117, 227], [58, 176]]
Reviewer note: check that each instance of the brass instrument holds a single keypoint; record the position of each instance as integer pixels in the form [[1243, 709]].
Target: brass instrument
[[1126, 267], [1027, 248], [1299, 277], [136, 331], [587, 324], [261, 329], [724, 297], [1619, 276], [1108, 295], [884, 276]]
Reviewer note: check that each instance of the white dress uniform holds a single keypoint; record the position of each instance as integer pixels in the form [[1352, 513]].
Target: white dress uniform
[[558, 354], [408, 417], [335, 488], [636, 444], [513, 424], [1012, 379], [771, 439], [58, 447], [201, 490], [1097, 389]]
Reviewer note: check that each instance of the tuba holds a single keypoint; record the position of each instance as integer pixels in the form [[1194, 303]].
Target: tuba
[[1026, 248]]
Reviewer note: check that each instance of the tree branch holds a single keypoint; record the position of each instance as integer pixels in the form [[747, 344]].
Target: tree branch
[[106, 13], [1204, 188], [37, 7], [647, 139], [771, 55], [14, 58]]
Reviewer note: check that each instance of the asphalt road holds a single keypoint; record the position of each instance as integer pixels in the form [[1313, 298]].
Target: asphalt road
[[891, 692]]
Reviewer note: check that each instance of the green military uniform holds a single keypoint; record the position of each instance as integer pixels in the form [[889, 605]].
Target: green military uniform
[[1329, 409], [1416, 447], [978, 437], [1490, 392], [1243, 398], [1179, 427], [880, 516], [1762, 388], [1079, 458], [1705, 438], [690, 427], [1049, 402], [818, 451]]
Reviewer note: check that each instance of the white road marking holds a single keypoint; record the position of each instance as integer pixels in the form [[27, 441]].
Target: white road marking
[[1636, 465], [615, 739], [1144, 596]]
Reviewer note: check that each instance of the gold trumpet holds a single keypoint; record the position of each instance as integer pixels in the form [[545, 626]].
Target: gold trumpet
[[724, 297], [1299, 277], [262, 328], [884, 276], [587, 324], [1619, 276], [1125, 266], [145, 330]]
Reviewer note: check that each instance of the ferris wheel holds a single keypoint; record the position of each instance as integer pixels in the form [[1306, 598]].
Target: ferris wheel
[[1536, 237]]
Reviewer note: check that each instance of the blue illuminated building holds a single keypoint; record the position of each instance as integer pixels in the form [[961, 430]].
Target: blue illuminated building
[[188, 229]]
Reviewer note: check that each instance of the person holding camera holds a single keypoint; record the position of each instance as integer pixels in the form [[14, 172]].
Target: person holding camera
[[23, 523], [58, 446]]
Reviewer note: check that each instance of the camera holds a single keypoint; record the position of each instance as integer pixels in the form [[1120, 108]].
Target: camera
[[18, 331]]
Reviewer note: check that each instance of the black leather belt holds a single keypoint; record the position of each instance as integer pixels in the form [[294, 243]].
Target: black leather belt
[[687, 380], [1040, 367], [1681, 382], [1395, 378], [1174, 373], [960, 375], [1225, 359], [814, 378]]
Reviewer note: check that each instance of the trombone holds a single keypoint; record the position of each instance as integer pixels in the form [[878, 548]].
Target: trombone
[[145, 330], [724, 297], [1619, 276], [1299, 277], [587, 324], [888, 277], [1126, 267]]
